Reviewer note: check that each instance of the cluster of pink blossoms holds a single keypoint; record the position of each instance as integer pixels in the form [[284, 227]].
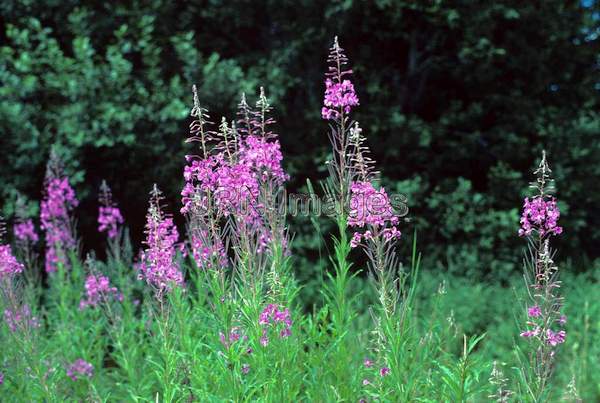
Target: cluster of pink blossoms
[[338, 95], [9, 266], [20, 318], [158, 264], [109, 219], [272, 316], [203, 252], [80, 369], [540, 215], [550, 337], [371, 207], [25, 231], [98, 290], [59, 201]]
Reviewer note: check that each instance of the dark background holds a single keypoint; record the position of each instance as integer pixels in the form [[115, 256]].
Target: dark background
[[458, 99]]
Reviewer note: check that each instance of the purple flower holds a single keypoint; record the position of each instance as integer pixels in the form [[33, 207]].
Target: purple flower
[[158, 265], [366, 382], [554, 339], [20, 318], [25, 231], [109, 215], [9, 266], [534, 311], [384, 371], [531, 333], [562, 320], [79, 369], [98, 289], [540, 215], [245, 369], [273, 316], [1, 378], [368, 363], [338, 95], [59, 201]]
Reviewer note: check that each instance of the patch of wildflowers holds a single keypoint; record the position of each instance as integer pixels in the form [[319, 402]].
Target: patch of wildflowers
[[275, 317], [540, 215]]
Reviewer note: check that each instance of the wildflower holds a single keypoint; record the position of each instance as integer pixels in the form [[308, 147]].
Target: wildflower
[[562, 320], [540, 215], [234, 335], [368, 363], [9, 266], [109, 215], [59, 200], [339, 96], [98, 289], [20, 318], [157, 263], [553, 338], [79, 369], [1, 378], [366, 382], [245, 369], [25, 231], [384, 371], [531, 333], [534, 311], [272, 315]]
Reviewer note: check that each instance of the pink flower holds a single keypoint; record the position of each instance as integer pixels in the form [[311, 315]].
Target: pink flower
[[245, 369], [534, 311], [531, 333], [20, 319], [80, 368], [109, 219], [338, 95], [59, 201], [1, 378], [158, 263], [273, 316], [366, 382], [554, 339], [98, 290], [384, 371], [540, 215], [9, 266], [368, 363], [562, 320], [25, 231]]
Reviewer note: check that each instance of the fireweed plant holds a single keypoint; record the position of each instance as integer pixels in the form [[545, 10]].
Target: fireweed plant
[[545, 323], [211, 311]]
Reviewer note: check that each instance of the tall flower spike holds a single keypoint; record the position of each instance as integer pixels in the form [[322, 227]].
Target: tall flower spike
[[245, 114], [262, 121], [55, 216], [198, 131], [109, 215], [340, 96], [158, 265], [9, 266]]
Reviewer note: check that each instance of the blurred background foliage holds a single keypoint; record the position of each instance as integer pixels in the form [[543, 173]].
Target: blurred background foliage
[[457, 100]]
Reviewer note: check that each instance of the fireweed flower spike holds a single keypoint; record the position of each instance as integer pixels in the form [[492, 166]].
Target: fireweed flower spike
[[109, 215], [539, 223], [97, 291], [57, 205], [158, 264]]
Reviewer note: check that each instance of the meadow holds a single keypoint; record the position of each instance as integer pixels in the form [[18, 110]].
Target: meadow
[[219, 310]]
